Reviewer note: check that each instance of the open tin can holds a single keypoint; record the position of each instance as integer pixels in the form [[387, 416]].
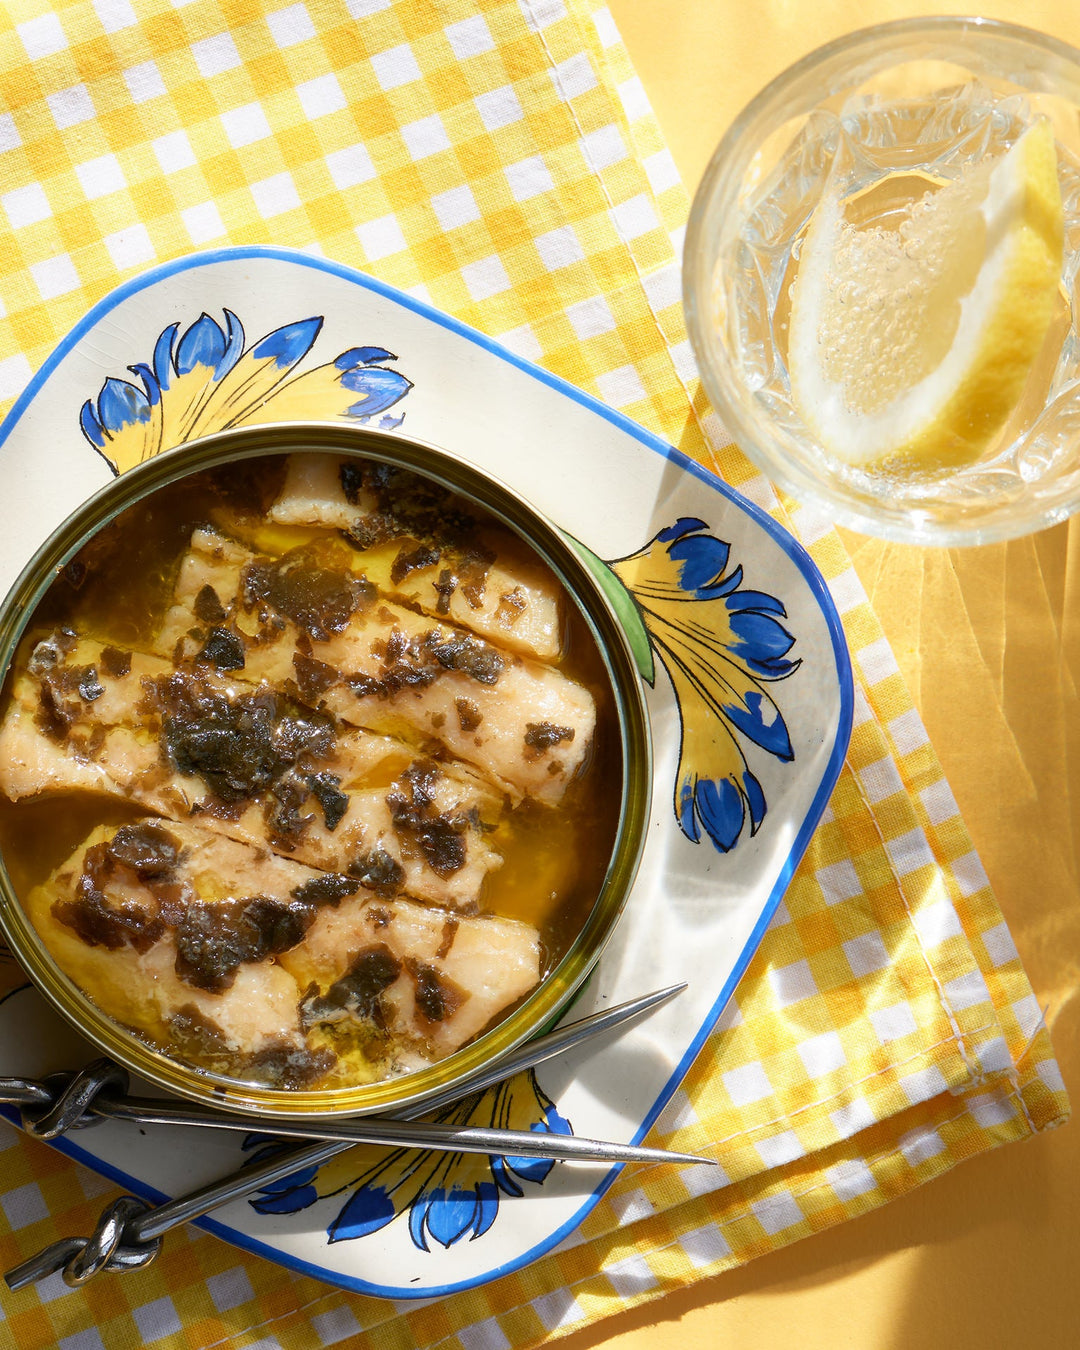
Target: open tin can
[[629, 787]]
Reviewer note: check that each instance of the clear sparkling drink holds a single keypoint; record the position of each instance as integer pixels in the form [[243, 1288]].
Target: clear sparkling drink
[[880, 280]]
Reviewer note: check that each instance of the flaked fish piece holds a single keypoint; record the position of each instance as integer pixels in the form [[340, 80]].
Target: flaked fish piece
[[251, 763], [311, 617], [436, 978], [422, 544], [262, 968], [171, 930]]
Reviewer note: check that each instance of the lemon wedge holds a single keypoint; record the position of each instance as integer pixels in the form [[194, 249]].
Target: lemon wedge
[[909, 346]]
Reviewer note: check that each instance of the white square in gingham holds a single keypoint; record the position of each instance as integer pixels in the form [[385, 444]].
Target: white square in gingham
[[558, 1309], [854, 1116], [747, 1084], [499, 108], [24, 1205], [908, 732], [156, 1319], [14, 373], [573, 77], [523, 342], [350, 166], [55, 276], [98, 177], [275, 195], [620, 386], [290, 26], [876, 661], [114, 15], [542, 13], [71, 106], [990, 1109], [604, 147], [559, 248], [924, 1084], [1050, 1073], [43, 36], [677, 1114], [26, 205], [970, 874], [528, 178], [174, 151], [999, 944], [486, 1335], [629, 1206], [144, 82], [203, 222], [908, 852], [936, 923], [215, 55], [822, 1054], [635, 217], [426, 136], [1028, 1013], [662, 171], [9, 133], [470, 37], [702, 1246], [591, 317], [839, 881], [966, 990], [630, 1276], [634, 99], [850, 1178], [485, 277], [920, 1145], [335, 1325], [395, 67], [777, 1212], [891, 1023], [792, 983], [230, 1288], [321, 96], [778, 1149], [880, 780], [381, 238], [664, 288], [130, 247], [457, 206], [938, 802], [245, 125], [866, 953], [606, 28], [82, 1340]]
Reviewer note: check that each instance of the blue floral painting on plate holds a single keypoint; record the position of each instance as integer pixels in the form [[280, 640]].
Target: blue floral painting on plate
[[683, 602]]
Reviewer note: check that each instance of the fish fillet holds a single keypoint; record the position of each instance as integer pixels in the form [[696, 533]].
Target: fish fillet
[[250, 764], [309, 616]]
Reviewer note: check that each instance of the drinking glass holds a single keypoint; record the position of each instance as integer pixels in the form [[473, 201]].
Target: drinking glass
[[912, 102]]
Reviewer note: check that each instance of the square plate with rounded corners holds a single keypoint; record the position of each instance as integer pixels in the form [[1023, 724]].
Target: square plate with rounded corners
[[750, 701]]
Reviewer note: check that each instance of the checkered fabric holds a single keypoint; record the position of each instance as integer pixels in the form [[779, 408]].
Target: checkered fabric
[[499, 159]]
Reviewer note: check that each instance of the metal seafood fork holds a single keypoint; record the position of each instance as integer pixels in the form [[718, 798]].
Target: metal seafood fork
[[129, 1232]]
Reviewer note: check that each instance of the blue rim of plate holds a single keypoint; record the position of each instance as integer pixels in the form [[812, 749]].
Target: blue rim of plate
[[786, 541]]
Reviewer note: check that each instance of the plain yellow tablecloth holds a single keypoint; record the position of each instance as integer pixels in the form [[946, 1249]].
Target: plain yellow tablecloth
[[988, 640]]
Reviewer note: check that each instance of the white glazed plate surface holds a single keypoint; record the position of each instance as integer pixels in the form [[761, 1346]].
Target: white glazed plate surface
[[750, 720]]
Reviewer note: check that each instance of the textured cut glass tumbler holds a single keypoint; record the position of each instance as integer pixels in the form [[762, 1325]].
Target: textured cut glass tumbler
[[909, 105]]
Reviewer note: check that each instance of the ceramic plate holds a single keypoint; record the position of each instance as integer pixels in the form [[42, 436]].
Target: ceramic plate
[[749, 698]]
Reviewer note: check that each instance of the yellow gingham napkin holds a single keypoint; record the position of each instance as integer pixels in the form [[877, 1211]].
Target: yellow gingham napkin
[[498, 158]]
